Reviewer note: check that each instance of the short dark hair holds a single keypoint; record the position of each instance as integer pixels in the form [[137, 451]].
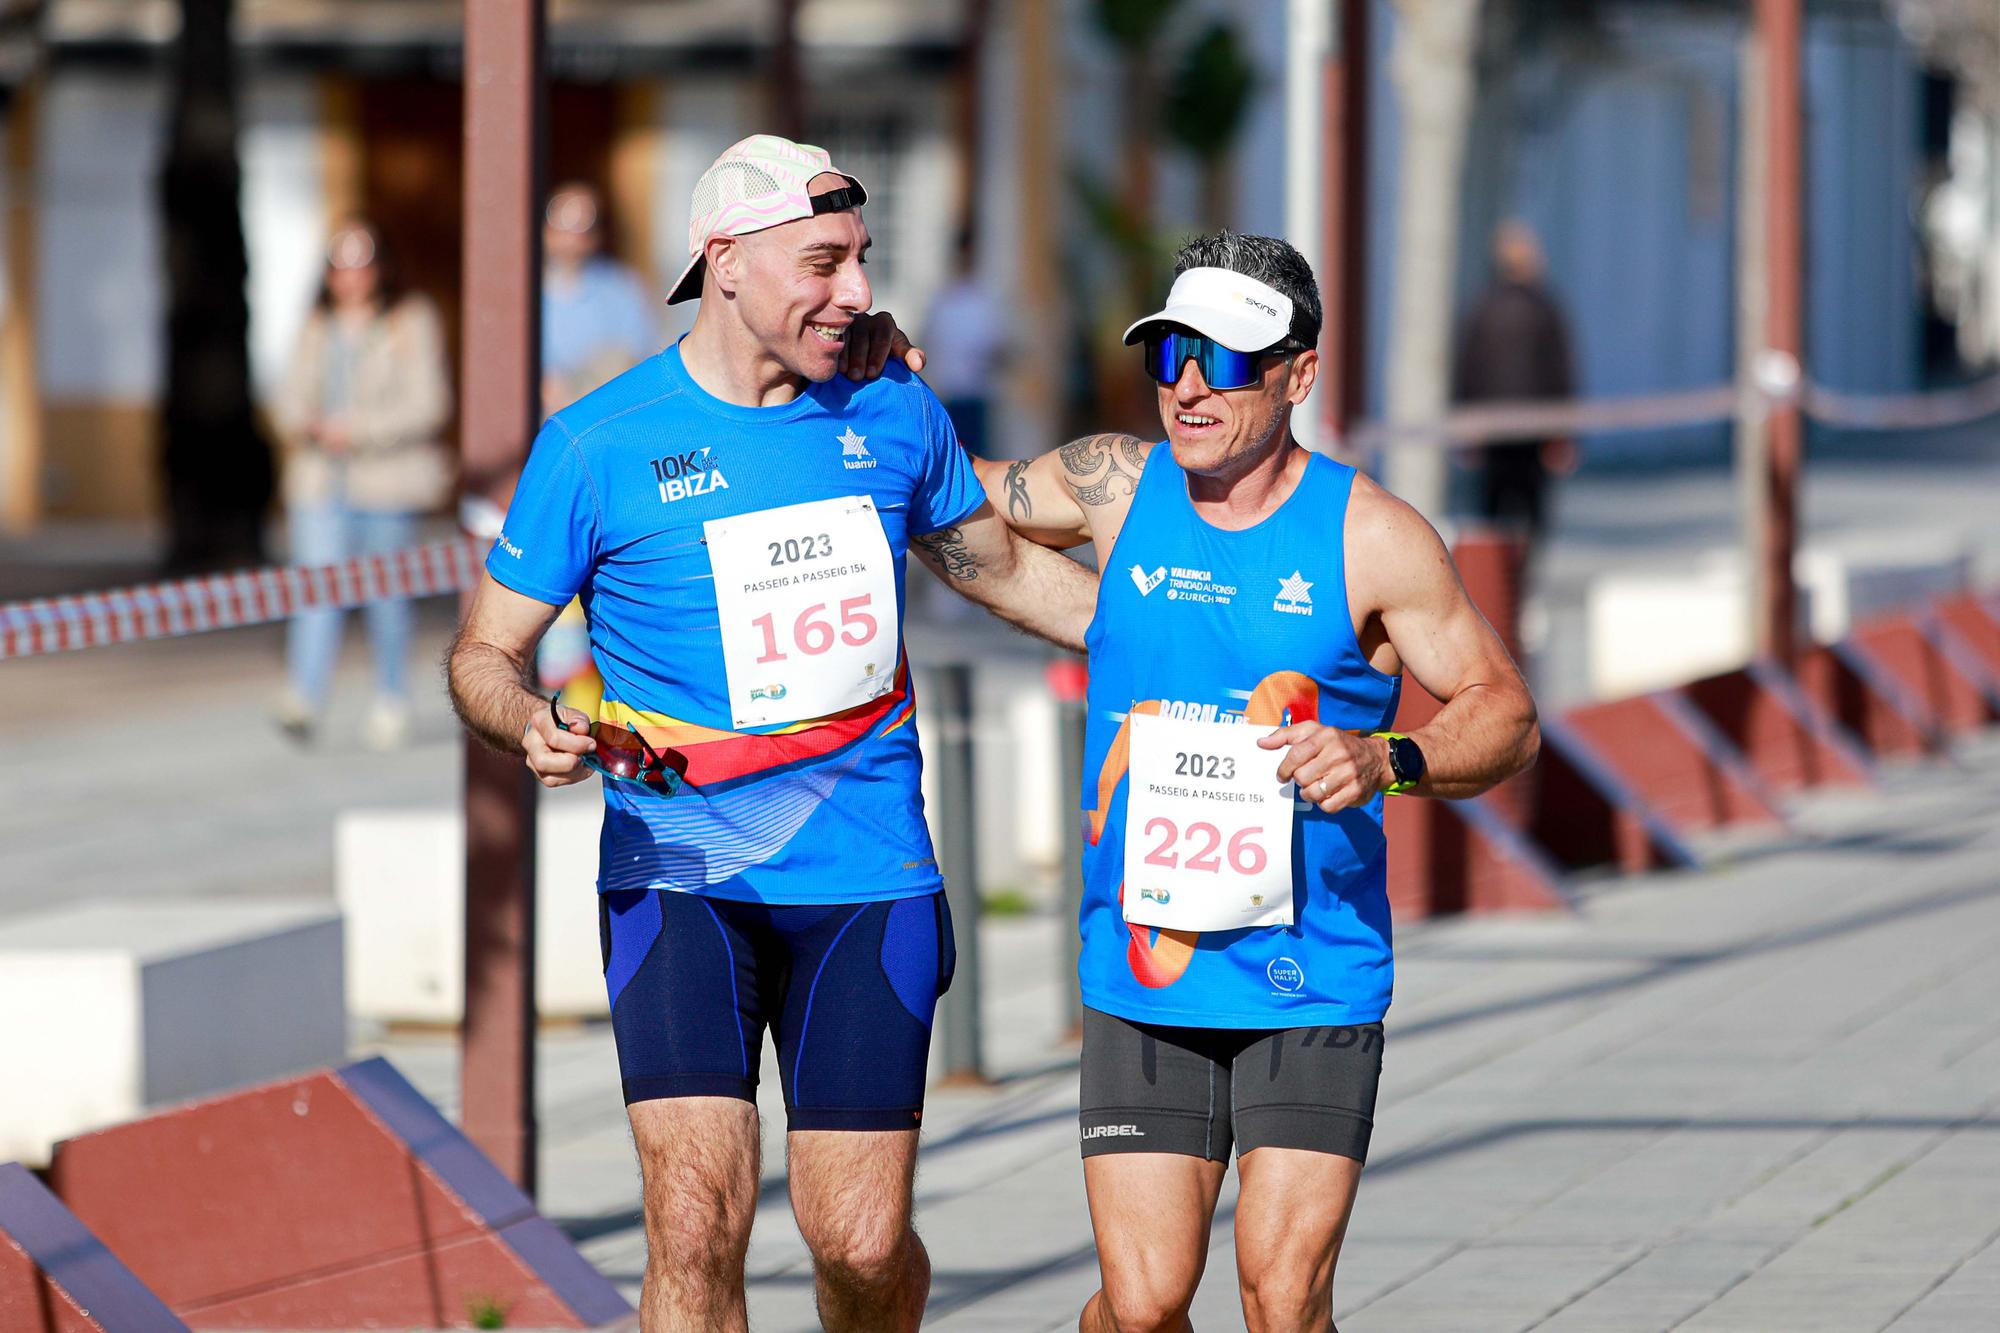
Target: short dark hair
[[1274, 262]]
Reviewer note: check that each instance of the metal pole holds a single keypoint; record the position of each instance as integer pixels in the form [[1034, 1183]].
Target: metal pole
[[958, 1017], [1070, 717], [1344, 268], [501, 378], [1780, 367]]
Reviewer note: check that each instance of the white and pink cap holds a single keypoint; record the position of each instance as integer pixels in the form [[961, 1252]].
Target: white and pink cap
[[758, 182]]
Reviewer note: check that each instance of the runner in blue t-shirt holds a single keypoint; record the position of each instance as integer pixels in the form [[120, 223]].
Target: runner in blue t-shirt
[[735, 517], [1259, 606]]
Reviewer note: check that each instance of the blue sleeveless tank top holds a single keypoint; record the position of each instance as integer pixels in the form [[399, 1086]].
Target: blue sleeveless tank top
[[1249, 627]]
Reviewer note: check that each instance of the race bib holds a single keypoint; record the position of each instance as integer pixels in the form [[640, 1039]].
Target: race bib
[[1208, 827], [807, 599]]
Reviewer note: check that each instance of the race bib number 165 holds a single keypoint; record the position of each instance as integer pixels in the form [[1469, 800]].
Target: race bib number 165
[[807, 599]]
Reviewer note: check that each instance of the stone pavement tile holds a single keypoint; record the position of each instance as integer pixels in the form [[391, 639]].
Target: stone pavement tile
[[1372, 1264], [1669, 1184], [1968, 1298], [1660, 1288], [1879, 1250], [1491, 1287], [1479, 1185]]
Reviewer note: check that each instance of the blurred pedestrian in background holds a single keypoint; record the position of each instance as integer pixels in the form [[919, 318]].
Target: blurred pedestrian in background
[[1516, 345], [597, 323], [360, 413], [965, 334], [598, 319]]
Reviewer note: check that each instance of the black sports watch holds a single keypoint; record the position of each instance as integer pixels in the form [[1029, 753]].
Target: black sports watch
[[1406, 762]]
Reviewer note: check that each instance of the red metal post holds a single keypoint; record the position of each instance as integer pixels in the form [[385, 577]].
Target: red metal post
[[1778, 37], [501, 378], [1344, 219]]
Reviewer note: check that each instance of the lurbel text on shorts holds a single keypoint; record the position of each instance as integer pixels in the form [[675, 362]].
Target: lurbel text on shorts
[[1114, 1132]]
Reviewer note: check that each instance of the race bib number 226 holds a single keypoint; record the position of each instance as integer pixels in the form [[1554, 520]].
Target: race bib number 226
[[1208, 827], [807, 599]]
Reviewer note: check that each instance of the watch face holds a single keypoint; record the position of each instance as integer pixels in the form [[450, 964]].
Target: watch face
[[1406, 759]]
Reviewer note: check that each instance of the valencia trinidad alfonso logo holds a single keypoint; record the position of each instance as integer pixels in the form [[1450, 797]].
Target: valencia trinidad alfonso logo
[[1148, 582], [1294, 596], [854, 450]]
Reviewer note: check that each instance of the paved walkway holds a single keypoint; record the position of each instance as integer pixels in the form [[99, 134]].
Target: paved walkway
[[1761, 1098]]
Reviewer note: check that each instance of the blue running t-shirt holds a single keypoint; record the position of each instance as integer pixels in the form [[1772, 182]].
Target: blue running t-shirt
[[613, 507], [1250, 627]]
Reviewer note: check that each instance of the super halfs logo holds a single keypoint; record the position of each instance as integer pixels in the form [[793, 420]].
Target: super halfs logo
[[692, 473]]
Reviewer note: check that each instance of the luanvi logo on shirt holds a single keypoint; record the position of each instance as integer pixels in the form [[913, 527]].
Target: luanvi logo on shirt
[[1147, 582], [1294, 596], [854, 450], [692, 473]]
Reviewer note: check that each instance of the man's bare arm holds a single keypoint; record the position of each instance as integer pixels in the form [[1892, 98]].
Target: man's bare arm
[[1070, 495], [1030, 495], [490, 666], [1486, 732], [985, 561]]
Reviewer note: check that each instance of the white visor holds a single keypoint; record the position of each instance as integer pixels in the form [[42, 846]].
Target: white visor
[[1239, 312]]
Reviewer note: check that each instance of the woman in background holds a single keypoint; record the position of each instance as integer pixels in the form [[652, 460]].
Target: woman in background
[[360, 414]]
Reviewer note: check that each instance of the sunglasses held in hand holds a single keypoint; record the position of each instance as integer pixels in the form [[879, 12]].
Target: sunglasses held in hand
[[623, 753]]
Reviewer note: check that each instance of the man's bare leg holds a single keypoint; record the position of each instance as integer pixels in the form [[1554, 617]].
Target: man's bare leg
[[1151, 1213], [699, 1157], [1291, 1216], [851, 1196]]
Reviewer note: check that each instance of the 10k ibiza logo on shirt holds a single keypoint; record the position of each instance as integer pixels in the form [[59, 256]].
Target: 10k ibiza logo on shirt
[[854, 450], [691, 473]]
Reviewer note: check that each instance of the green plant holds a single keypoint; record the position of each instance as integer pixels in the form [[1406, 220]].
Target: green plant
[[1005, 901], [1132, 23], [1209, 94], [486, 1311]]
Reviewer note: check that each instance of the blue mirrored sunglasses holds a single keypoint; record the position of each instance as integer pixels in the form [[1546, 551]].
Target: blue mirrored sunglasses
[[1167, 353]]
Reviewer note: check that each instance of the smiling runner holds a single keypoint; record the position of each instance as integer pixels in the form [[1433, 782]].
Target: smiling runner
[[1259, 608], [735, 516]]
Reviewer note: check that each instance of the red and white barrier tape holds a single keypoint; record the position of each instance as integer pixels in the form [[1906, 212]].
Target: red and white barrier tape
[[257, 596], [226, 601]]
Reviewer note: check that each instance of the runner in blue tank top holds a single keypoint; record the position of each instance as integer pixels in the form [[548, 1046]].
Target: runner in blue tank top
[[735, 517], [1258, 609]]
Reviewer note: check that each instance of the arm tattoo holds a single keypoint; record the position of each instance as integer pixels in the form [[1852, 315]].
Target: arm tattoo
[[1019, 505], [947, 547], [1103, 467]]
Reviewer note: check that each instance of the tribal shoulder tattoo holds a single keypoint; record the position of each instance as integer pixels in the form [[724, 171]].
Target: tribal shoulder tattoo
[[1102, 468]]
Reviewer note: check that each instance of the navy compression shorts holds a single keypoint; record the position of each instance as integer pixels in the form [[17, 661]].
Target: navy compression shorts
[[848, 991]]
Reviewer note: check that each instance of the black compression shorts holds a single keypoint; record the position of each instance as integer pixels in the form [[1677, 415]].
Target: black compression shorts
[[1151, 1088]]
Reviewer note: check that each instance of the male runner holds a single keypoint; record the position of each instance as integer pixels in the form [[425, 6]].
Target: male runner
[[1236, 957], [735, 517]]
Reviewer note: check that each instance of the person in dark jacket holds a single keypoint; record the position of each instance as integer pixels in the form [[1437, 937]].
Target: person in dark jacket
[[1515, 345]]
